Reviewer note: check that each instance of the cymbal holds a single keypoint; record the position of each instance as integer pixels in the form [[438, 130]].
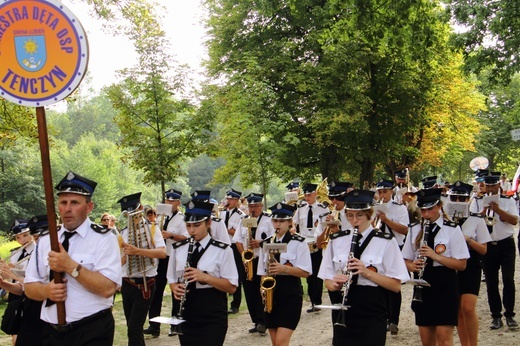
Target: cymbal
[[479, 162]]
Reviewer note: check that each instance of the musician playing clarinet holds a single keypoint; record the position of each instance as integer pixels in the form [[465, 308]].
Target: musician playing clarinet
[[440, 254], [210, 275], [376, 266]]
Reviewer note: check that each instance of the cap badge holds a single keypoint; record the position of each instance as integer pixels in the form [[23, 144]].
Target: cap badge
[[70, 176], [457, 183], [279, 206], [195, 193], [355, 193], [191, 205], [333, 184]]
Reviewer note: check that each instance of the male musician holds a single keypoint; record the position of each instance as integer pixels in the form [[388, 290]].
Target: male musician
[[429, 182], [391, 217], [306, 220], [263, 230], [501, 252], [232, 217], [173, 229], [142, 244], [218, 227], [401, 185], [91, 267]]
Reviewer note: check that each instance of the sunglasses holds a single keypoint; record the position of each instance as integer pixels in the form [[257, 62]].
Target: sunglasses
[[105, 219], [458, 198]]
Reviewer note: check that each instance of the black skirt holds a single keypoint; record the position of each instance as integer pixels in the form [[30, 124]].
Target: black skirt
[[440, 302], [206, 318], [365, 320], [469, 279], [287, 307]]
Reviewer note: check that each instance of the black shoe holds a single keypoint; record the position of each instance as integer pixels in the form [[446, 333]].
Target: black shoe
[[253, 330], [511, 323], [172, 332], [496, 323], [312, 309], [232, 311], [152, 331], [392, 327], [261, 328]]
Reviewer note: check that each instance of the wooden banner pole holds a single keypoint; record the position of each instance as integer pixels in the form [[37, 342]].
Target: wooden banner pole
[[49, 199]]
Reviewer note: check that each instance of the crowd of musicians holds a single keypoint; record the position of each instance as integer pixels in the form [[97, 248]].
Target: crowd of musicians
[[360, 245]]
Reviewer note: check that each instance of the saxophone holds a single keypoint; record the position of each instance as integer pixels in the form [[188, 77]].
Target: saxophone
[[176, 328], [248, 254], [268, 282]]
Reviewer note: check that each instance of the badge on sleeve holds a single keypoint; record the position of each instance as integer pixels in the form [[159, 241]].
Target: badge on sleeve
[[440, 248]]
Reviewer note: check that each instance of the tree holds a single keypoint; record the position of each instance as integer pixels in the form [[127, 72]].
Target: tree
[[159, 126], [490, 35], [344, 86]]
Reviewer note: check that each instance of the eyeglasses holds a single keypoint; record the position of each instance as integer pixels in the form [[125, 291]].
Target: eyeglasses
[[357, 215], [459, 198], [105, 219]]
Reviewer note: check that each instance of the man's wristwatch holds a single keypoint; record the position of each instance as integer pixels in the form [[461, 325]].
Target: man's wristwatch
[[75, 272]]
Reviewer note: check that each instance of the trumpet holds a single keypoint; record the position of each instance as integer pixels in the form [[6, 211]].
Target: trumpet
[[248, 254], [490, 216], [340, 322], [417, 296], [176, 328], [268, 282]]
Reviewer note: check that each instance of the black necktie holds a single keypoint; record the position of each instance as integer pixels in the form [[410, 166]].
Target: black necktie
[[196, 255], [65, 244], [23, 255], [309, 218], [228, 214], [357, 254]]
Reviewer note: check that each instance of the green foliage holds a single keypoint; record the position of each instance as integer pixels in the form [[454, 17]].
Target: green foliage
[[21, 188], [322, 88], [158, 126], [491, 35]]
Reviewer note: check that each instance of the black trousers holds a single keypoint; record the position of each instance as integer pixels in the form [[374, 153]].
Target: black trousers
[[314, 283], [394, 301], [500, 255], [157, 298], [237, 296], [97, 332], [253, 298], [136, 310]]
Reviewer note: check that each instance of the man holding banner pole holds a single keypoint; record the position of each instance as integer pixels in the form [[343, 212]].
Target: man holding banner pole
[[89, 261]]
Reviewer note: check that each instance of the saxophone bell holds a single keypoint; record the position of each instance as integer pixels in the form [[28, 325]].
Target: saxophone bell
[[248, 254]]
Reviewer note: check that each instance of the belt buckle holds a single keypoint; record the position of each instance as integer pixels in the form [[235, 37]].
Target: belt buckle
[[494, 243], [62, 328]]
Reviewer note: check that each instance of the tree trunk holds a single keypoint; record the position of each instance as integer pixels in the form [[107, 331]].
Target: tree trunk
[[367, 172]]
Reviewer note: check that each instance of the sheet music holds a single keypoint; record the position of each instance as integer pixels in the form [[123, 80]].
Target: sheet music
[[488, 199], [458, 209]]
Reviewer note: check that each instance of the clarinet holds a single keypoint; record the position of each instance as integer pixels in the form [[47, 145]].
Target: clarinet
[[417, 297], [177, 328], [346, 286]]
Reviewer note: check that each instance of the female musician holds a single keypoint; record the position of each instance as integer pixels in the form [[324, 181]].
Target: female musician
[[211, 274], [287, 269], [443, 253], [376, 266], [10, 281], [477, 236]]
